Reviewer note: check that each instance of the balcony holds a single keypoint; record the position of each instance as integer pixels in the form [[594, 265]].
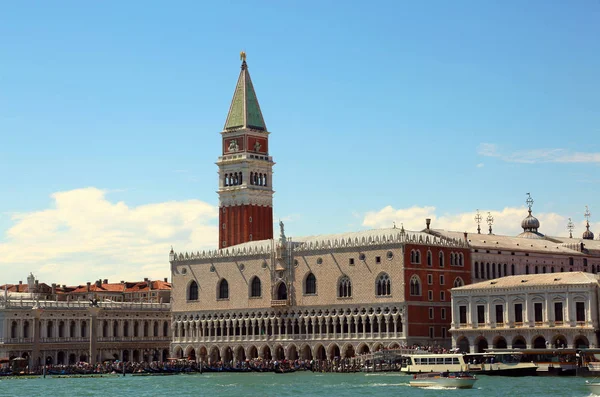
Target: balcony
[[279, 302]]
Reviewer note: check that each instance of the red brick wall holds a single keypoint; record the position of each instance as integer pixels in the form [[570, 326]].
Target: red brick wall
[[418, 306], [238, 227]]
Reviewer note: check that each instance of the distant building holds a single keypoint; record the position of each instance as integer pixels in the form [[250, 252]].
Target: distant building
[[531, 252], [311, 297], [124, 321], [527, 311]]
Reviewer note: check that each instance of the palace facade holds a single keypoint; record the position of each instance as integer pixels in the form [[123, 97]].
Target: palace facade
[[312, 297], [527, 311], [63, 325]]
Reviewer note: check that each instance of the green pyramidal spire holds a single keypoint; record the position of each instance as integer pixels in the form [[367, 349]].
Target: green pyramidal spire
[[244, 111]]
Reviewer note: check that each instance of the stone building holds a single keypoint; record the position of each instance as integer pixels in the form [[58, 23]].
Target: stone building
[[531, 252], [70, 328], [527, 311], [312, 297]]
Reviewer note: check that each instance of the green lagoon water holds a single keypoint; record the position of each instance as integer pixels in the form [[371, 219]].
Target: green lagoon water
[[296, 384]]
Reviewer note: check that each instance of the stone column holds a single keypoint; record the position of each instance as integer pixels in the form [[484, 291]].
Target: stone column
[[93, 310], [35, 348]]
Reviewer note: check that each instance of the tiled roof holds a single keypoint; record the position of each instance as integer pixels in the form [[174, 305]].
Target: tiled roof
[[528, 280], [244, 111], [512, 243]]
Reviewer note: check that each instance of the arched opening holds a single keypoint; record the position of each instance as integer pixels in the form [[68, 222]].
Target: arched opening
[[320, 353], [83, 358], [223, 289], [252, 352], [165, 328], [581, 342], [136, 356], [193, 291], [72, 359], [334, 351], [215, 355], [50, 329], [146, 326], [281, 291], [136, 329], [227, 354], [72, 329], [60, 358], [500, 343], [306, 353], [292, 353], [178, 352], [191, 354], [165, 355], [349, 351], [266, 353], [61, 329], [519, 343], [240, 353], [126, 355], [155, 329], [383, 285], [463, 345], [539, 342], [84, 329], [559, 341], [364, 349], [310, 284], [255, 287], [26, 329], [279, 353], [49, 360], [481, 344]]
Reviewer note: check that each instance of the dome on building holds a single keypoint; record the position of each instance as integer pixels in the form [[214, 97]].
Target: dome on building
[[530, 223], [588, 235]]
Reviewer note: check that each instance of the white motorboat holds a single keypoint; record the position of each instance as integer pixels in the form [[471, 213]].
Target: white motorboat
[[446, 380], [594, 387]]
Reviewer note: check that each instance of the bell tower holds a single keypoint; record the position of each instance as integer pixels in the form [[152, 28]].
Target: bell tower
[[245, 169]]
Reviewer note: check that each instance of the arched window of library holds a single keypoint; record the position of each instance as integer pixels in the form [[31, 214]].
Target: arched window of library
[[310, 284], [255, 287], [458, 282], [223, 289], [415, 286], [345, 287], [193, 291], [383, 285]]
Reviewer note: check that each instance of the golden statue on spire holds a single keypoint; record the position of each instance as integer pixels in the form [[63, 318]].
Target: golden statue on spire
[[243, 56]]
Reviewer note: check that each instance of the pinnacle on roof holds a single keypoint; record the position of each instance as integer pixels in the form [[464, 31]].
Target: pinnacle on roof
[[244, 111]]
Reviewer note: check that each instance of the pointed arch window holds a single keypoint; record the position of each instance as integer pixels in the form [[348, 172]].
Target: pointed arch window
[[255, 288], [383, 285], [415, 286], [458, 282], [310, 284], [345, 287], [223, 289], [441, 258], [429, 259], [193, 291]]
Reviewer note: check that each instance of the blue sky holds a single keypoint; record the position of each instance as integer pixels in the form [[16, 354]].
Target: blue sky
[[379, 112]]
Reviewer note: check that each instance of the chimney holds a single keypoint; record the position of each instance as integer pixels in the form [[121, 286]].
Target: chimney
[[466, 238], [166, 280], [105, 281], [20, 282], [53, 288], [88, 286], [64, 286], [99, 283], [122, 282], [145, 279], [428, 222]]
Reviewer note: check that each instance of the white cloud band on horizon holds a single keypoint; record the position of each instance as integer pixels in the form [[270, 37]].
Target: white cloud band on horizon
[[506, 221], [538, 155], [84, 237]]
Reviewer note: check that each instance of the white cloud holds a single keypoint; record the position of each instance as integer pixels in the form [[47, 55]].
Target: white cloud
[[538, 155], [84, 236], [480, 165], [506, 221]]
